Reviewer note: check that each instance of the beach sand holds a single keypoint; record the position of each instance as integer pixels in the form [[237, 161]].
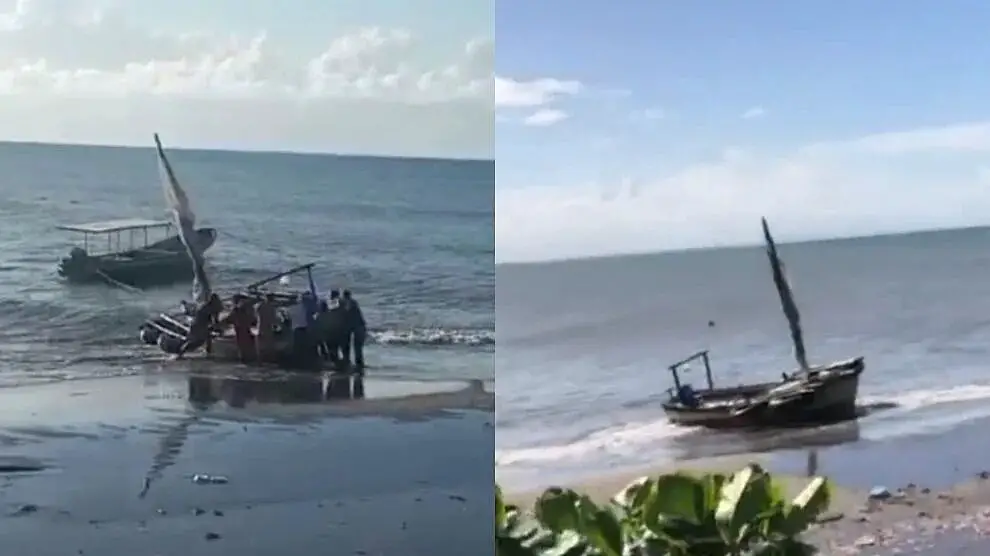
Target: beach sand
[[105, 467], [940, 501]]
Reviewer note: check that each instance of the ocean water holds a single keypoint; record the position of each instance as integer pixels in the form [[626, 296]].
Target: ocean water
[[585, 344], [413, 239]]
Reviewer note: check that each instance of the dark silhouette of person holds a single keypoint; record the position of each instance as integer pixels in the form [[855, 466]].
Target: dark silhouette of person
[[267, 316], [357, 329], [241, 317], [200, 330]]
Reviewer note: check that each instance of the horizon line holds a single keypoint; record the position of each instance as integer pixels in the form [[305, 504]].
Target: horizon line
[[247, 151], [734, 246]]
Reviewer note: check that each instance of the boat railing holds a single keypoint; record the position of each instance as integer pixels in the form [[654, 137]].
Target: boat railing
[[114, 235], [682, 366], [301, 268]]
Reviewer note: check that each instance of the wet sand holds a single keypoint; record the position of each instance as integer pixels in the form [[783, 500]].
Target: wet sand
[[105, 467], [939, 486]]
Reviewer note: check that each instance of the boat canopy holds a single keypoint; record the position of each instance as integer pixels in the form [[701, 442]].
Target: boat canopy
[[111, 226]]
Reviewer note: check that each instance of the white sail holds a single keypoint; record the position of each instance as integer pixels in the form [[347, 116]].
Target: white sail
[[185, 222]]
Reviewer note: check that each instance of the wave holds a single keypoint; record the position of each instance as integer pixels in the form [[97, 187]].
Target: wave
[[434, 337], [622, 440], [903, 413]]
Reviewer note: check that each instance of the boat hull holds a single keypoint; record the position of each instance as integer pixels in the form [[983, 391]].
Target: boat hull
[[799, 401], [168, 331], [161, 263]]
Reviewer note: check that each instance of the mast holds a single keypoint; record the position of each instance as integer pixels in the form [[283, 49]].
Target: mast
[[786, 299], [185, 222]]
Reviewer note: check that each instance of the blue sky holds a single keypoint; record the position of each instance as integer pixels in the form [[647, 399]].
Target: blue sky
[[665, 88]]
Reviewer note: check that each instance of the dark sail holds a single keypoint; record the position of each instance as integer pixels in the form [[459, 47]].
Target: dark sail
[[786, 298], [185, 221]]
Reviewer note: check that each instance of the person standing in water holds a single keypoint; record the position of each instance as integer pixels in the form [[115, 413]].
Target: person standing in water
[[320, 333], [303, 348], [241, 317], [267, 317], [335, 331], [200, 330], [357, 329]]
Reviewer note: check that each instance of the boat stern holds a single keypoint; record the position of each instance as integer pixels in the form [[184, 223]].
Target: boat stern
[[77, 265]]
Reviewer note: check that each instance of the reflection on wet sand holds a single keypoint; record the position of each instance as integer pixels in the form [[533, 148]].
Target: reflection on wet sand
[[206, 390], [238, 392], [704, 444]]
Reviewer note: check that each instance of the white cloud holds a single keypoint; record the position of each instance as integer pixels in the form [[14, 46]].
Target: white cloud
[[528, 94], [77, 75], [545, 117], [649, 114], [754, 113], [926, 178]]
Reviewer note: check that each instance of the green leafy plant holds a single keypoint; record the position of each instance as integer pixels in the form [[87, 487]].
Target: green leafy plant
[[677, 514]]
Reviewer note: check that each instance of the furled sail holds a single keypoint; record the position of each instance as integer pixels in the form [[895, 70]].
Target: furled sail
[[787, 302], [185, 222]]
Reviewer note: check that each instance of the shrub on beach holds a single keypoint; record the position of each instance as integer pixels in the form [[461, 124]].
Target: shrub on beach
[[678, 514]]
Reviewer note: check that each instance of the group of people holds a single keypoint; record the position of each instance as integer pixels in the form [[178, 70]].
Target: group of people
[[321, 331], [328, 330]]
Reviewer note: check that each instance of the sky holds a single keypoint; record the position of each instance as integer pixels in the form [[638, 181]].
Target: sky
[[669, 124], [388, 77]]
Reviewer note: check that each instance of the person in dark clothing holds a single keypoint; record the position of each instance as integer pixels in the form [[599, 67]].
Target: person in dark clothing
[[356, 327], [323, 340], [336, 331], [267, 317], [200, 330], [241, 317]]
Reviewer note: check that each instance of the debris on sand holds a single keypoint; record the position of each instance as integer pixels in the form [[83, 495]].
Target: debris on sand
[[205, 479]]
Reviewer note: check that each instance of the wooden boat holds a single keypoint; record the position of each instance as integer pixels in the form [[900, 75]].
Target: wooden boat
[[812, 395], [133, 256], [169, 330]]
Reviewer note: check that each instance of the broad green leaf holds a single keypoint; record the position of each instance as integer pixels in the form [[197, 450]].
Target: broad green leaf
[[510, 546], [500, 513], [634, 494], [815, 498], [713, 484], [568, 543], [808, 505], [744, 497], [672, 515], [731, 497], [677, 495], [775, 490], [605, 533], [557, 509]]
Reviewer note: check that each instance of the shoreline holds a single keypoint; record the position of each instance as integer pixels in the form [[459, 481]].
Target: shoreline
[[913, 518], [940, 489], [391, 474]]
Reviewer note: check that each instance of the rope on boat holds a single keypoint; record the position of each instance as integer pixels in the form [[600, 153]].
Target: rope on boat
[[117, 283]]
